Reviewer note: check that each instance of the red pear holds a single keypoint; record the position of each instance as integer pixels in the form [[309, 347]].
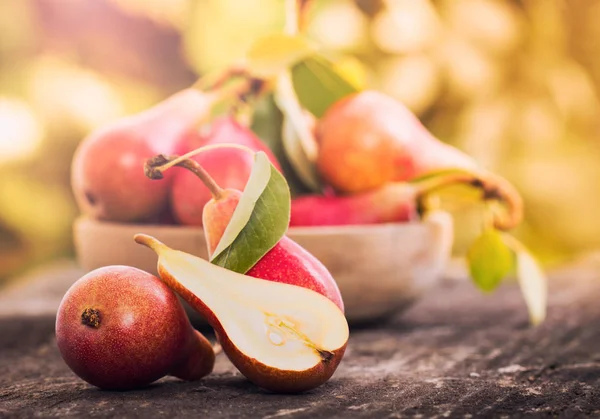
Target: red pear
[[403, 201], [229, 167], [121, 328], [107, 173], [286, 262], [368, 139], [394, 202]]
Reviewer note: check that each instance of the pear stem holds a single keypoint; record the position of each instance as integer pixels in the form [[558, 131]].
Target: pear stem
[[217, 79], [234, 83], [197, 169], [493, 188], [202, 149], [150, 242], [229, 89], [156, 165]]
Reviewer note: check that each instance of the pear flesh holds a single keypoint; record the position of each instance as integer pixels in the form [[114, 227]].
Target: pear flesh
[[280, 329]]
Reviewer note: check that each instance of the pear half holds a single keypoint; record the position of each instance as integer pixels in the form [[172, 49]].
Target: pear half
[[282, 337]]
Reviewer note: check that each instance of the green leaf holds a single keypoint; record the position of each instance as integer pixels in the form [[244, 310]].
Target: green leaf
[[490, 260], [532, 280], [259, 221], [297, 137], [352, 70], [304, 166], [273, 54], [267, 123], [318, 85]]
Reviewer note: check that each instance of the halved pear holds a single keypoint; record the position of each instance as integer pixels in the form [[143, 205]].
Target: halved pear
[[282, 337]]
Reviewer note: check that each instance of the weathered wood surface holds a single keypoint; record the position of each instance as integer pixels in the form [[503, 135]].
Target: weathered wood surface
[[453, 354]]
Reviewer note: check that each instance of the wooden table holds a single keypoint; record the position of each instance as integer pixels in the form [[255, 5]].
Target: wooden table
[[455, 353]]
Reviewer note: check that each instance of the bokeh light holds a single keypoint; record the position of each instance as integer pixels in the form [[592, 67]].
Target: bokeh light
[[407, 26], [515, 84], [20, 130], [66, 92], [338, 25]]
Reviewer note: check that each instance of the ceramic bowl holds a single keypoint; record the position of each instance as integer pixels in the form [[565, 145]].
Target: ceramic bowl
[[380, 269]]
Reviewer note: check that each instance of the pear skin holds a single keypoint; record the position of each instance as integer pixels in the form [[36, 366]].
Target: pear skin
[[279, 381], [368, 139], [107, 168], [121, 328], [286, 262], [394, 202], [199, 360], [229, 167], [290, 263]]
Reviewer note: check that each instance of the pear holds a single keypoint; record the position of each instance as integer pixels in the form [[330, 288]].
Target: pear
[[107, 168], [286, 262], [393, 202], [121, 328], [368, 139], [282, 337], [229, 167], [401, 202]]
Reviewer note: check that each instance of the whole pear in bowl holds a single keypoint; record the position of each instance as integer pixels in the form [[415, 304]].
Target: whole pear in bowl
[[107, 168]]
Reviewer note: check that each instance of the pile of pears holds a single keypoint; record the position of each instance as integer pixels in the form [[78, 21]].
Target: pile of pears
[[281, 323], [370, 146]]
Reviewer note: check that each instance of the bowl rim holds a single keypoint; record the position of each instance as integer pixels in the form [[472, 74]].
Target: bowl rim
[[295, 230]]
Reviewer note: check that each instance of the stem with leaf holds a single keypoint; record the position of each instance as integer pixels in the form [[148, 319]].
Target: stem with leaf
[[493, 187], [217, 79], [494, 255]]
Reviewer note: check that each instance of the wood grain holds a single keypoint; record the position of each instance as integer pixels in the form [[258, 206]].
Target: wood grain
[[454, 354]]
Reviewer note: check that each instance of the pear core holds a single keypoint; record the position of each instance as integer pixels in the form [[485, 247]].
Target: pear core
[[282, 326]]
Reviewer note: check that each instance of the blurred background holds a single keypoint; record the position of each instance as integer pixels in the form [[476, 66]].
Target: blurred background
[[514, 83]]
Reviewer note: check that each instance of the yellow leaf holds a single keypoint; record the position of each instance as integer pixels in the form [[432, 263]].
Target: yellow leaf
[[532, 280], [273, 54], [533, 286], [353, 70]]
